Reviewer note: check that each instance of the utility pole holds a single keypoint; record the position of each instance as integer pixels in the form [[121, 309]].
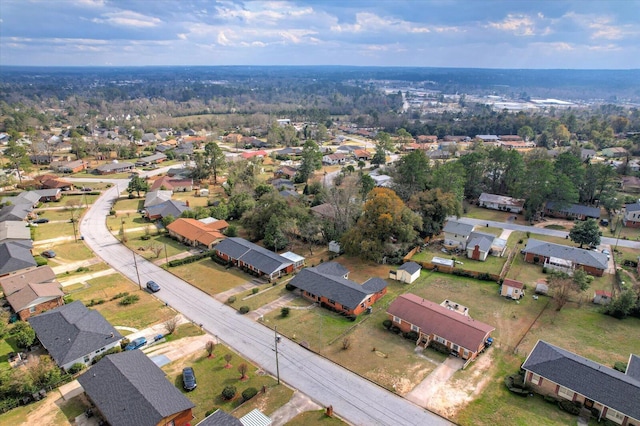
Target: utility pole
[[277, 340], [166, 258], [135, 264]]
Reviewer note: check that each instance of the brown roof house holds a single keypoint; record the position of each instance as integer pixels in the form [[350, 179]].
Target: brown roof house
[[32, 292], [512, 289], [196, 233], [172, 184], [460, 333], [128, 389], [609, 394]]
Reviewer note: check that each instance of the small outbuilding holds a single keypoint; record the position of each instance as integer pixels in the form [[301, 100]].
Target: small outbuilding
[[602, 297], [407, 273], [512, 289], [542, 287]]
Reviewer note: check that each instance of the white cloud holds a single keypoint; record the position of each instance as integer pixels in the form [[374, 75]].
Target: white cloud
[[520, 25], [370, 22], [265, 13], [127, 18], [89, 3]]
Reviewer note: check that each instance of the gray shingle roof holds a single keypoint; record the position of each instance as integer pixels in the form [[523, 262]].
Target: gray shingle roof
[[374, 285], [410, 267], [47, 192], [341, 290], [17, 212], [632, 207], [633, 367], [72, 331], [166, 208], [156, 197], [130, 390], [482, 240], [595, 381], [26, 197], [458, 228], [575, 209], [332, 268], [220, 418], [15, 255], [260, 258], [114, 166], [13, 230], [576, 255]]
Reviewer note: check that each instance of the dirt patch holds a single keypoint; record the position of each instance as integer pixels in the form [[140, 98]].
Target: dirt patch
[[456, 393], [566, 224]]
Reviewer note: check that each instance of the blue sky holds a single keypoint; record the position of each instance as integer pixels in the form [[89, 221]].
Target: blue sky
[[439, 33]]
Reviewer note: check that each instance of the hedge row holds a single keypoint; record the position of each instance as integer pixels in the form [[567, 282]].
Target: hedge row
[[190, 259]]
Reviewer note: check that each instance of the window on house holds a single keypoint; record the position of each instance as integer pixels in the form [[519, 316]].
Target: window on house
[[535, 379], [333, 302], [415, 328], [396, 319], [32, 309], [455, 347], [566, 393], [614, 415], [440, 339]]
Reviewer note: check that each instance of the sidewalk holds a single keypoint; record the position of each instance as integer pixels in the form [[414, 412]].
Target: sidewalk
[[53, 241], [87, 277], [276, 304], [162, 260], [72, 266], [299, 403]]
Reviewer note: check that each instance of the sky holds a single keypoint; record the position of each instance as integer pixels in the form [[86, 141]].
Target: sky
[[580, 34]]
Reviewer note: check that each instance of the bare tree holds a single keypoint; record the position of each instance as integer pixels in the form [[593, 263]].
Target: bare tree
[[346, 343], [564, 286], [227, 358], [171, 325], [156, 249], [210, 347], [242, 369]]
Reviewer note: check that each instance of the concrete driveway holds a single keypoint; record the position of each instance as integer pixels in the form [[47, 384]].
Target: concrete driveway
[[431, 385], [353, 398]]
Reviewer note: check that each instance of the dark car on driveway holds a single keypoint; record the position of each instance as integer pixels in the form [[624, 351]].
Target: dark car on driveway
[[153, 287], [49, 253], [136, 344], [41, 220], [188, 379]]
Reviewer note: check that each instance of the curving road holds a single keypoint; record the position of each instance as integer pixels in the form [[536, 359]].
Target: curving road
[[355, 399]]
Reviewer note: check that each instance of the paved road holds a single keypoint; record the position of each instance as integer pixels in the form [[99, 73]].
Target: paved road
[[544, 231], [355, 399]]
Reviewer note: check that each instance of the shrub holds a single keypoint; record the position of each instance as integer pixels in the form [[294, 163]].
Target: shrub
[[284, 312], [145, 237], [550, 399], [387, 324], [94, 302], [290, 287], [229, 392], [40, 261], [395, 329], [255, 290], [190, 259], [620, 366], [410, 335], [231, 299], [112, 212], [82, 269], [129, 300], [249, 393], [569, 407], [77, 367], [113, 350], [119, 295], [124, 342], [244, 309]]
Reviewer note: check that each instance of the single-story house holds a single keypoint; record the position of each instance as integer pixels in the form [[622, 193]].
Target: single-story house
[[438, 154], [282, 184], [15, 256], [69, 166], [166, 208], [565, 258], [456, 234], [500, 202], [112, 168], [13, 231], [32, 292], [571, 211], [254, 154], [361, 154], [479, 245], [324, 211], [512, 289], [156, 158], [195, 233], [602, 297], [407, 273], [48, 195], [615, 152], [488, 138], [631, 216], [29, 198], [298, 261], [253, 258], [286, 172], [16, 213], [172, 184], [331, 159], [128, 389], [156, 197], [52, 182], [74, 334], [630, 184], [220, 418], [609, 393], [586, 154], [327, 285], [432, 322], [289, 151]]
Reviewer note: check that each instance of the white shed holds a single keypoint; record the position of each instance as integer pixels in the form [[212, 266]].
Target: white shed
[[407, 273]]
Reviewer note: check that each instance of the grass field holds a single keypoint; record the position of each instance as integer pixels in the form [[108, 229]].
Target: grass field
[[212, 377], [64, 215], [59, 412], [492, 265], [147, 311], [314, 418], [143, 247], [7, 345], [476, 212], [210, 277], [49, 231], [68, 252]]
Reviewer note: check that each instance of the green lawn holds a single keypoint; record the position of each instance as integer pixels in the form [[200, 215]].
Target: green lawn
[[258, 300], [70, 252], [210, 277], [58, 215], [144, 247], [125, 203], [47, 231], [212, 377], [476, 212], [131, 220], [147, 311], [7, 345], [492, 264]]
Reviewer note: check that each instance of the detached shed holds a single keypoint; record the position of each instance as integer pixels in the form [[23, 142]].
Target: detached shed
[[512, 289], [407, 273], [542, 287], [602, 297]]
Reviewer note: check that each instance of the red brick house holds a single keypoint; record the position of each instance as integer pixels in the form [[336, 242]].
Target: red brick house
[[609, 394], [195, 233], [252, 258], [432, 322], [565, 258], [327, 285], [32, 292]]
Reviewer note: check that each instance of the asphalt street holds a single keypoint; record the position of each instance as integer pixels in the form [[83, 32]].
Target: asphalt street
[[355, 399]]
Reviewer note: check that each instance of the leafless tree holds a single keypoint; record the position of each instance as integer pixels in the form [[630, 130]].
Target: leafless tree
[[346, 343], [210, 347], [227, 359], [242, 369], [156, 249], [171, 325]]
